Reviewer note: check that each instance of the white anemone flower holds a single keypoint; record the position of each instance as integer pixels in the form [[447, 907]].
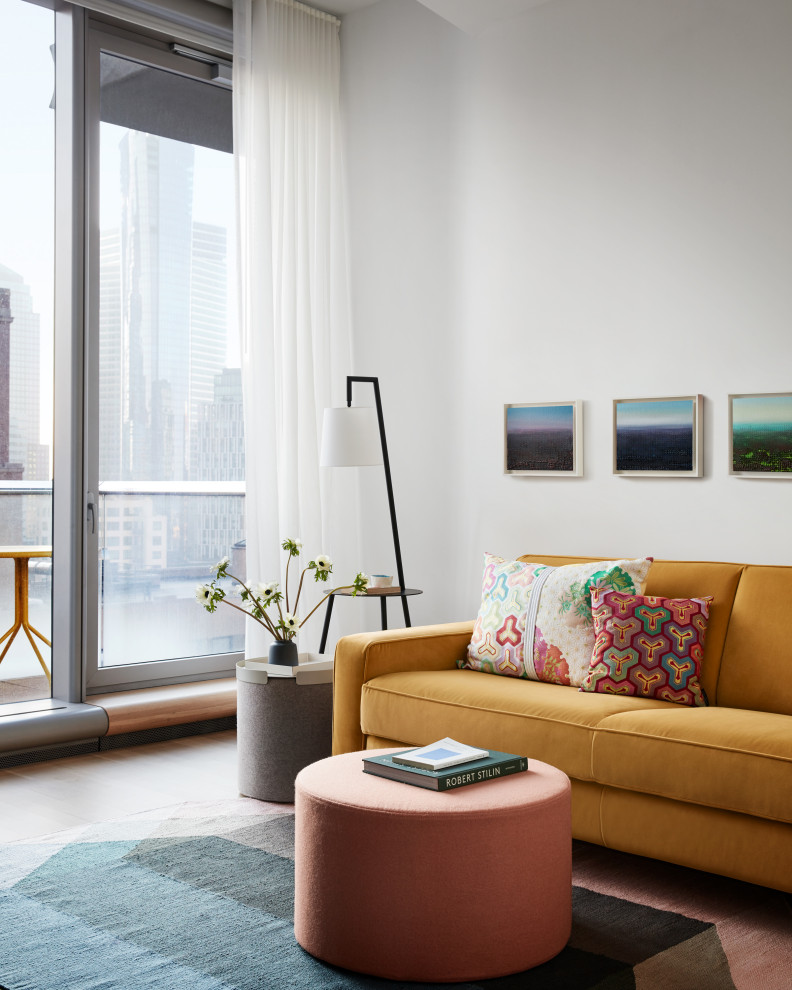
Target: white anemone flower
[[222, 563], [323, 562], [265, 591], [291, 622], [203, 593]]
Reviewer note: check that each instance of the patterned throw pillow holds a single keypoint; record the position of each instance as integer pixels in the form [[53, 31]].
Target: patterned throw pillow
[[497, 643], [648, 647], [535, 621]]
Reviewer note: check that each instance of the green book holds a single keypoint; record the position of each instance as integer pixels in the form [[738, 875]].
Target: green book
[[491, 768]]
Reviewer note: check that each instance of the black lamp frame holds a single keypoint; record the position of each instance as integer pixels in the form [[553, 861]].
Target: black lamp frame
[[403, 590], [388, 482]]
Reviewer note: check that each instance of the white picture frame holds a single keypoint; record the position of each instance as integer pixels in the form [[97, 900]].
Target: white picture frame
[[543, 439], [660, 437]]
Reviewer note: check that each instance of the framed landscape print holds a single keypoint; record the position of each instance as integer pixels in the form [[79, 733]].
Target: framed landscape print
[[543, 438], [660, 438], [760, 435]]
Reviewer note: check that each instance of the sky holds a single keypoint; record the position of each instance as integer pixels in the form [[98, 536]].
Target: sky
[[665, 412], [764, 409], [539, 418]]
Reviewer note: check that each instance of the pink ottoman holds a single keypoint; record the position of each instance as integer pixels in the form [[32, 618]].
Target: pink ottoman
[[410, 884]]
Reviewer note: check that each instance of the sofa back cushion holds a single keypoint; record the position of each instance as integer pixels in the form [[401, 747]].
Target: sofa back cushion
[[756, 671], [689, 579]]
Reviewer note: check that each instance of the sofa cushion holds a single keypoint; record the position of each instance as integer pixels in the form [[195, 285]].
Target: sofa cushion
[[548, 722], [720, 757], [535, 621], [648, 646], [686, 579], [756, 671]]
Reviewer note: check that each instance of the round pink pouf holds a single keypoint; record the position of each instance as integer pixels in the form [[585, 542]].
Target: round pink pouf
[[406, 883]]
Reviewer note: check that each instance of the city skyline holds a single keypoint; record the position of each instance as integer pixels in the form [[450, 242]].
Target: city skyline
[[164, 322]]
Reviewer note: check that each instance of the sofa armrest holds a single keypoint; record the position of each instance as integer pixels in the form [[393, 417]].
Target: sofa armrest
[[361, 657]]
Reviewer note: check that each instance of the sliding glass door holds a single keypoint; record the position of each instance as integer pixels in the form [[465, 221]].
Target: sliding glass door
[[164, 436]]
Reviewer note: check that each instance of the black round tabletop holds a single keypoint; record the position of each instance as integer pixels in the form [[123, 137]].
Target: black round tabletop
[[379, 592]]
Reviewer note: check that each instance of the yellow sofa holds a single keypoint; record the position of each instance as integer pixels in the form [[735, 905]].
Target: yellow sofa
[[709, 788]]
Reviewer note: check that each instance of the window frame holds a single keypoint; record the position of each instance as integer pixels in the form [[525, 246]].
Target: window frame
[[99, 36]]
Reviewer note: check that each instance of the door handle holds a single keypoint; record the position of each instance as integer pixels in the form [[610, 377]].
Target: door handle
[[90, 513]]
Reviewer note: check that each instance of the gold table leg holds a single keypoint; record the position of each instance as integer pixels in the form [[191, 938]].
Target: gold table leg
[[21, 620]]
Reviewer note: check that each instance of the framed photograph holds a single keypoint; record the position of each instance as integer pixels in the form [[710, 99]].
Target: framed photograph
[[760, 435], [543, 438], [658, 438]]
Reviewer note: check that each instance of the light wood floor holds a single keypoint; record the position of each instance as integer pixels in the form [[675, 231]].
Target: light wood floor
[[47, 797]]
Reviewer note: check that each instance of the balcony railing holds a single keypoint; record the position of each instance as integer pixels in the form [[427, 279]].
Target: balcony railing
[[155, 541]]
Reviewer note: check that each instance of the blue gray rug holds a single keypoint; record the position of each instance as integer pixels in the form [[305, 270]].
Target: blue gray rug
[[200, 897]]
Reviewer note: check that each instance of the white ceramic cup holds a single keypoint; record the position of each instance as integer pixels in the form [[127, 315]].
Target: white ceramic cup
[[381, 581]]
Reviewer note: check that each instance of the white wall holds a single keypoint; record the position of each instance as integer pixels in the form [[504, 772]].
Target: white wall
[[619, 226], [399, 97]]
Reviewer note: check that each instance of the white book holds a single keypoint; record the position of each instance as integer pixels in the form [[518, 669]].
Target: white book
[[436, 756]]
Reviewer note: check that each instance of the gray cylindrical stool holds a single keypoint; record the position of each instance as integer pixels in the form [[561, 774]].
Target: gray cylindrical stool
[[282, 726]]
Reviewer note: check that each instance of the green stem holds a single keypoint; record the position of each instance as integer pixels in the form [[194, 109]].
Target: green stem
[[288, 561]]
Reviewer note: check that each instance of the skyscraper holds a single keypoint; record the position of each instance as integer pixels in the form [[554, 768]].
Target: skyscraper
[[156, 243], [111, 388], [24, 387], [208, 331], [163, 316], [9, 471], [219, 455]]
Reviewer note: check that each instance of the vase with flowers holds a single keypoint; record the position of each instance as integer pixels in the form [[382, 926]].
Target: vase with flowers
[[271, 607]]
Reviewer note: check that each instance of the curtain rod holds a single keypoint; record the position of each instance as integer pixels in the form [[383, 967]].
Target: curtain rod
[[321, 14]]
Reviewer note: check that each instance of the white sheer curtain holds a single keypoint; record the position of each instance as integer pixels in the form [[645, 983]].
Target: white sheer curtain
[[294, 300]]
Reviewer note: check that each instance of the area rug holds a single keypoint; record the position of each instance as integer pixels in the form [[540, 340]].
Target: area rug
[[200, 897]]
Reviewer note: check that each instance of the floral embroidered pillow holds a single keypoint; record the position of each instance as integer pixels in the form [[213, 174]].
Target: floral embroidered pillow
[[535, 621], [648, 647], [559, 630]]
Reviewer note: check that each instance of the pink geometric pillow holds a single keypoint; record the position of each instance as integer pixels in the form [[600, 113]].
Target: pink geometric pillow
[[648, 647]]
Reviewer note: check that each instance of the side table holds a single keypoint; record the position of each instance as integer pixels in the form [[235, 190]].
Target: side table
[[284, 722], [382, 593], [21, 557]]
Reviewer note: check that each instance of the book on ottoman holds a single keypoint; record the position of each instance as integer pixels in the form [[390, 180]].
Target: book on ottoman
[[439, 755], [489, 768]]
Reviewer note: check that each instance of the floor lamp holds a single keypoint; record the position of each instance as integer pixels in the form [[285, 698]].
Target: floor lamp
[[353, 437]]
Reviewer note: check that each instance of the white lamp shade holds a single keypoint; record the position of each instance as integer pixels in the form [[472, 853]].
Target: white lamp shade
[[350, 437]]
